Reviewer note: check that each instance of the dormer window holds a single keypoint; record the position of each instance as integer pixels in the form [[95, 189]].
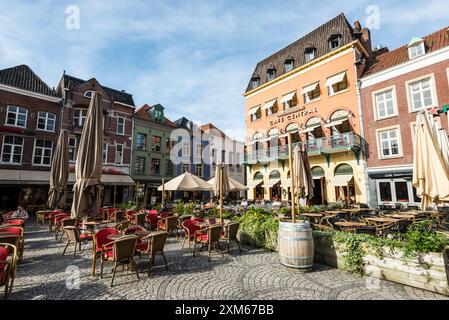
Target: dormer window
[[334, 41], [254, 82], [88, 94], [416, 48], [289, 64], [271, 73], [310, 54]]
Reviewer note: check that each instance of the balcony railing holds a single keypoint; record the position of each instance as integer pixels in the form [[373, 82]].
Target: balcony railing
[[347, 141]]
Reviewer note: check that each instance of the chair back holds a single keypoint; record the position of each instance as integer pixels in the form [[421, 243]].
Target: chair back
[[16, 222], [164, 214], [133, 230], [152, 212], [11, 239], [190, 227], [140, 218], [232, 229], [124, 248], [72, 233], [214, 233], [7, 250], [152, 218], [196, 220], [11, 229], [69, 222], [122, 225], [101, 237], [172, 222], [158, 241]]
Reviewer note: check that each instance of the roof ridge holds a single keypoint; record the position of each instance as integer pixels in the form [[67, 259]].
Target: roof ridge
[[27, 80]]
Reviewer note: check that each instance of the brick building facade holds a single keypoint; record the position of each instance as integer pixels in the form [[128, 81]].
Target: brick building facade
[[397, 85]]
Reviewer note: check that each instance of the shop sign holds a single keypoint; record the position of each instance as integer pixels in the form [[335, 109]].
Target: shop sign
[[294, 115], [391, 175]]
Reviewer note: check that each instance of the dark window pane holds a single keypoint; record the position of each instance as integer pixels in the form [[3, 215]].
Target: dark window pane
[[401, 191], [385, 192]]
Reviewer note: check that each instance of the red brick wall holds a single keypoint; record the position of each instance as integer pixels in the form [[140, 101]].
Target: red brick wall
[[404, 118], [34, 105]]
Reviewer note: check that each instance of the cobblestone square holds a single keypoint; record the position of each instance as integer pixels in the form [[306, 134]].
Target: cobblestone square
[[253, 274]]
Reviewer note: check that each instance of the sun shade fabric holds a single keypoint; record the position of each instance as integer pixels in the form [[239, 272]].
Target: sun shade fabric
[[310, 88], [253, 184], [186, 182], [302, 174], [234, 184], [271, 183], [89, 162], [59, 173], [430, 177], [111, 179], [253, 110], [336, 79], [341, 180], [335, 123], [269, 104], [287, 183], [310, 129], [8, 176], [288, 97], [222, 171]]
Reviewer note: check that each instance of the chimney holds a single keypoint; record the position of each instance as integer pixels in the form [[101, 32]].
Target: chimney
[[357, 25], [366, 38]]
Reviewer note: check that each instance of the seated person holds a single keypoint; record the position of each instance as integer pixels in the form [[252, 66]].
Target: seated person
[[20, 213]]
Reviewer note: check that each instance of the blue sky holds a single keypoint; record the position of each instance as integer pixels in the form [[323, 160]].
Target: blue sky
[[194, 57]]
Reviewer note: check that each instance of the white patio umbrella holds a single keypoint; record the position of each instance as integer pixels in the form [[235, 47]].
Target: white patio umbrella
[[233, 184], [430, 176], [186, 182]]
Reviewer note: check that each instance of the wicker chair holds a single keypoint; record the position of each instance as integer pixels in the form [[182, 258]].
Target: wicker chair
[[230, 234], [8, 264], [74, 237], [67, 222], [208, 237], [100, 238], [123, 250], [122, 225], [17, 239], [139, 219], [382, 230], [181, 219], [168, 224], [153, 244], [16, 222], [190, 228]]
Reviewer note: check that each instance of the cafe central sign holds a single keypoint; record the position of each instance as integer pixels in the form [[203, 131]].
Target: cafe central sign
[[293, 115]]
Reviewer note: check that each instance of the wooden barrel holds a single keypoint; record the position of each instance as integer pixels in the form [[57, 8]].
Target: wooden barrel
[[295, 243]]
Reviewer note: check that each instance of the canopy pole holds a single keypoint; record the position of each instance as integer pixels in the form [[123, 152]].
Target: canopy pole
[[114, 196], [163, 191], [145, 197], [292, 183], [221, 194]]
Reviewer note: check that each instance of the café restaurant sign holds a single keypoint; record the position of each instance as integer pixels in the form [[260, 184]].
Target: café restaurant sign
[[293, 115]]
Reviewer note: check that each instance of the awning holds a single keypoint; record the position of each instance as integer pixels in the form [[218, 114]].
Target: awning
[[271, 183], [317, 177], [341, 180], [288, 97], [269, 104], [336, 79], [311, 128], [24, 177], [310, 88], [253, 184], [335, 123], [109, 179], [253, 110], [286, 183]]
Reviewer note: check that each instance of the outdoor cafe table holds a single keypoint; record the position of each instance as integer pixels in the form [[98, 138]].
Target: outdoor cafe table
[[401, 216], [382, 219], [95, 224], [350, 225], [139, 234], [313, 216]]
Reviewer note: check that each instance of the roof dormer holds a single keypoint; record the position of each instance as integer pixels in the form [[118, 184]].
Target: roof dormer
[[416, 48]]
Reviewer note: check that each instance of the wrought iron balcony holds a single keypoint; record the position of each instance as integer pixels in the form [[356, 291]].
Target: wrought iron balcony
[[347, 141]]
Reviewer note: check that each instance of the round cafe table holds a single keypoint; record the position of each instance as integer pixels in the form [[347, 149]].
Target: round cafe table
[[117, 236]]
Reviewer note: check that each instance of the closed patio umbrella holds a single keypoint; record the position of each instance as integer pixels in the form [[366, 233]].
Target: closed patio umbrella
[[59, 173], [186, 182], [89, 162], [443, 144], [302, 174], [221, 185], [430, 177]]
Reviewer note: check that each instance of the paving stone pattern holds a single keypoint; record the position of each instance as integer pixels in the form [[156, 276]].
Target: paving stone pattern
[[253, 274]]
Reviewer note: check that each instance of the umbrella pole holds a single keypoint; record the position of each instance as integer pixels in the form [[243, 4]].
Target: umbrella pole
[[221, 194], [292, 183], [114, 196], [163, 191]]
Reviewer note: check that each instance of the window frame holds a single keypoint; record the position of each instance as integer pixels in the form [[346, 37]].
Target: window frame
[[46, 121], [419, 45], [201, 168], [154, 144], [306, 96], [41, 164], [105, 152], [75, 148], [330, 89], [12, 150], [137, 164], [142, 147], [307, 53], [167, 165], [395, 103], [118, 125], [394, 198], [333, 37], [122, 154], [433, 91], [379, 142], [16, 117], [80, 118]]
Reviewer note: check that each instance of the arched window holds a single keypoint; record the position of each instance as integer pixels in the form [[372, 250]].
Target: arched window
[[317, 171], [257, 137], [88, 94], [313, 122], [343, 169], [274, 132], [258, 176], [339, 115], [275, 174], [292, 127]]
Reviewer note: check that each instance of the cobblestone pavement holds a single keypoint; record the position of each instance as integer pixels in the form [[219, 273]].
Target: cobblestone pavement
[[252, 274]]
